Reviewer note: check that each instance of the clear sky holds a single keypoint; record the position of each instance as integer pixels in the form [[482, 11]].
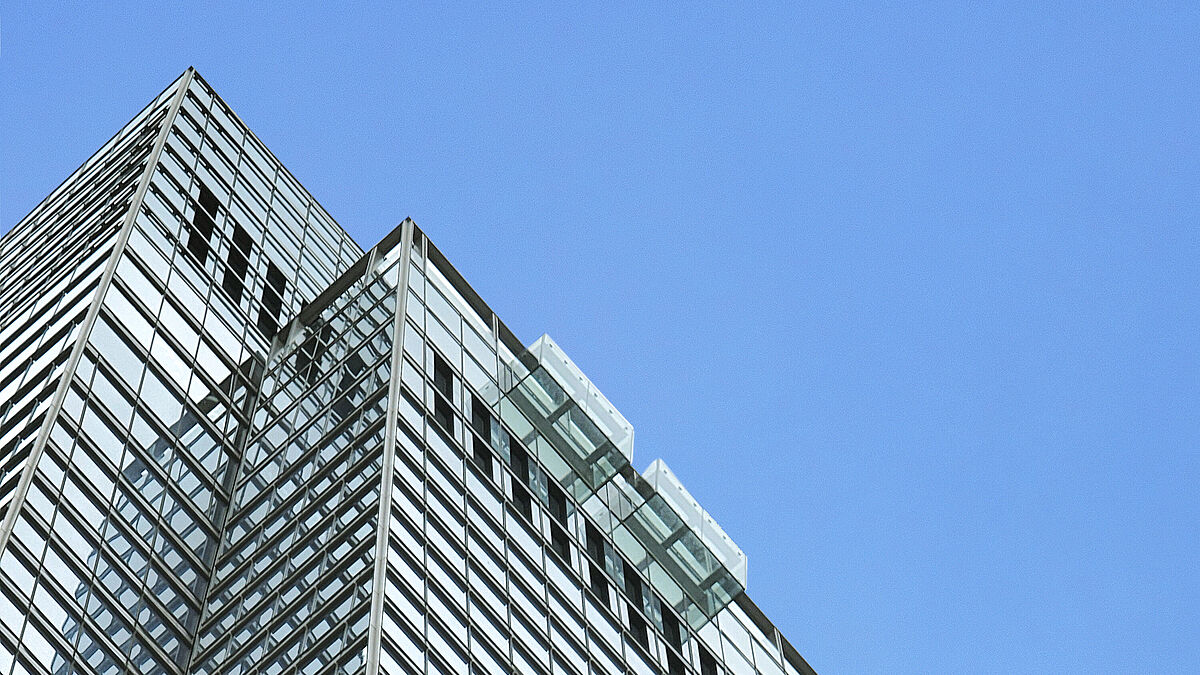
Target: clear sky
[[908, 298]]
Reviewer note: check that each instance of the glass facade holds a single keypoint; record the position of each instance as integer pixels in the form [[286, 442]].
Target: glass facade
[[231, 441]]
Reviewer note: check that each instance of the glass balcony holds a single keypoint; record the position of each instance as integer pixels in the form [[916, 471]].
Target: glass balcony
[[564, 420], [662, 530], [581, 439]]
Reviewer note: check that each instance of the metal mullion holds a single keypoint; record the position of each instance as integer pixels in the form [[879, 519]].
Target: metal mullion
[[433, 552], [84, 618], [55, 635], [263, 634], [571, 499], [485, 641], [167, 437], [436, 588], [322, 643], [275, 596], [291, 440], [33, 382], [111, 601], [404, 622], [482, 509], [168, 297], [515, 578], [173, 342], [397, 653], [67, 203], [482, 541], [319, 443], [111, 147], [310, 389], [337, 664], [106, 182], [411, 560], [558, 627], [181, 592], [35, 319], [298, 466], [333, 339], [183, 549], [453, 508], [152, 555], [360, 465], [320, 473], [234, 574], [518, 645], [387, 472], [444, 529], [264, 631], [135, 541], [169, 484], [481, 603], [432, 621], [216, 148]]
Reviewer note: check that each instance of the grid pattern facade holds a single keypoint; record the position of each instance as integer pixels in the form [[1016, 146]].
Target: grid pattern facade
[[294, 578], [45, 298], [493, 564], [236, 443], [170, 313]]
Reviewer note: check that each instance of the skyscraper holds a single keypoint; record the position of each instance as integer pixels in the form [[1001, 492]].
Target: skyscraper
[[232, 441]]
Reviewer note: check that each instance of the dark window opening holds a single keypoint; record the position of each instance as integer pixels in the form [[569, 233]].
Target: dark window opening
[[557, 503], [267, 324], [443, 377], [559, 542], [595, 545], [599, 585], [483, 456], [272, 301], [208, 201], [675, 665], [443, 413], [520, 481], [202, 225], [522, 500], [481, 417], [348, 394], [637, 627], [520, 464], [708, 665], [239, 260], [671, 629], [633, 584], [199, 235]]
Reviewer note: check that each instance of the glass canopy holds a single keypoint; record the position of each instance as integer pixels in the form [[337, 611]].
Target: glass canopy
[[588, 446]]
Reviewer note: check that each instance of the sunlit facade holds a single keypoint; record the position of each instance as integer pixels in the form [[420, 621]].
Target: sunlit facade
[[232, 441]]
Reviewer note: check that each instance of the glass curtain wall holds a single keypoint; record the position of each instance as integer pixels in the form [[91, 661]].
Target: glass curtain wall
[[294, 579], [111, 551], [232, 442]]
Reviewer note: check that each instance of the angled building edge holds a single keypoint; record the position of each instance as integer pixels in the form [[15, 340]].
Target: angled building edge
[[232, 441]]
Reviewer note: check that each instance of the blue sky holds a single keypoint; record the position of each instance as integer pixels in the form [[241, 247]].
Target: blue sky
[[907, 297]]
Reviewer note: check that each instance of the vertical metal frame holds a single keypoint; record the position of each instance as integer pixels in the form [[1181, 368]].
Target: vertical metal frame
[[383, 523]]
